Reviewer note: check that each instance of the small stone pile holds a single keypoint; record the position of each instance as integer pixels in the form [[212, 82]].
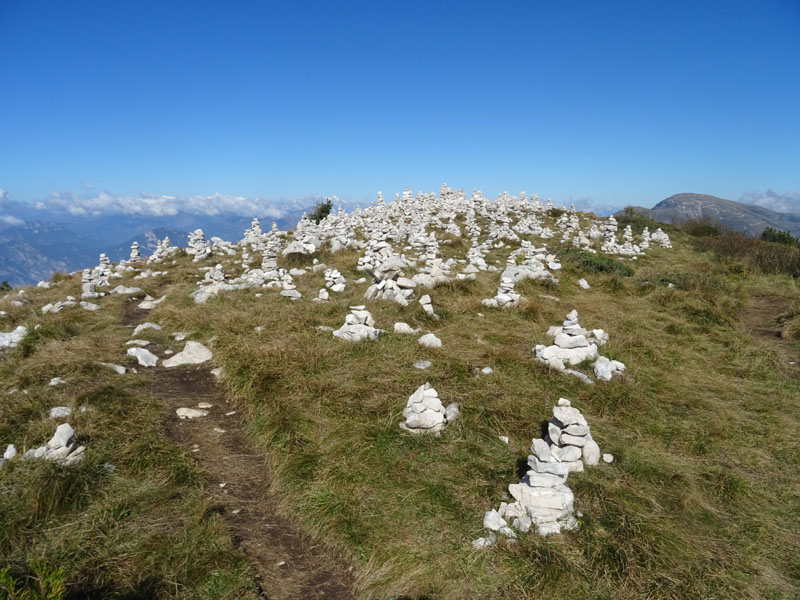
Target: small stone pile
[[662, 238], [358, 325], [334, 280], [198, 247], [542, 498], [506, 296], [572, 344], [135, 256], [425, 413]]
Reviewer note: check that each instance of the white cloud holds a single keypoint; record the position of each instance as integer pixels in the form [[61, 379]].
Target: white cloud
[[9, 220], [161, 205], [786, 202]]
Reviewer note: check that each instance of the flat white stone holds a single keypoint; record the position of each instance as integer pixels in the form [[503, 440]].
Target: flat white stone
[[60, 412], [191, 413], [403, 328], [143, 356], [119, 369], [429, 340], [141, 327], [193, 353]]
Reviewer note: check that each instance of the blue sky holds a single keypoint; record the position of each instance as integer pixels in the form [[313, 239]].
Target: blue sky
[[604, 103]]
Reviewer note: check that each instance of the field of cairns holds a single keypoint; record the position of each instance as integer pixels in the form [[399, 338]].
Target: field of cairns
[[438, 396]]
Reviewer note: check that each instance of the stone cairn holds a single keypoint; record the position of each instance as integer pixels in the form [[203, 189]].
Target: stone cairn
[[425, 413], [334, 280], [572, 345], [198, 245], [358, 325], [136, 256], [662, 238], [542, 499]]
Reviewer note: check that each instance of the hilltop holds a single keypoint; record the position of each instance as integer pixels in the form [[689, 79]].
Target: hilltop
[[271, 461], [747, 218]]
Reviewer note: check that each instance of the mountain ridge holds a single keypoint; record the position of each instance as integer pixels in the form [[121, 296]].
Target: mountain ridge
[[746, 218]]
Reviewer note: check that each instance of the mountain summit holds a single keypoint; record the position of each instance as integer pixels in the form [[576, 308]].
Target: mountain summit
[[747, 218]]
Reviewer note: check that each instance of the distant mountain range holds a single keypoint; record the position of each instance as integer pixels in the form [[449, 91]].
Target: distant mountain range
[[34, 250], [747, 218]]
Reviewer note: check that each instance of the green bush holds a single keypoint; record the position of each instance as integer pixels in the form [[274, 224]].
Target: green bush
[[777, 236], [586, 262], [321, 210]]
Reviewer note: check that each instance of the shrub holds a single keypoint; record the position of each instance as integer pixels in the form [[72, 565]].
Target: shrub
[[767, 257], [777, 236], [702, 228], [637, 220], [587, 262], [321, 210]]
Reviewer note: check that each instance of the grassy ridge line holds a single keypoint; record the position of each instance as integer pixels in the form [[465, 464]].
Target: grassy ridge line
[[695, 506], [144, 530]]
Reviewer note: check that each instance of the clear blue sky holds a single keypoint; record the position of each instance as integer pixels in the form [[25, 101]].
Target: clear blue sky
[[620, 102]]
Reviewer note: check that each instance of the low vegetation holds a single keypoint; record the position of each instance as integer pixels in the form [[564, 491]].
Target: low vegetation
[[700, 502]]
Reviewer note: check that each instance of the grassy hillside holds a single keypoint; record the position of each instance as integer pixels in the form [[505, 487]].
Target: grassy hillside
[[701, 500]]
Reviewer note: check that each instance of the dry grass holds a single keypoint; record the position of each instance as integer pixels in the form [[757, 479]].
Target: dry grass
[[701, 501]]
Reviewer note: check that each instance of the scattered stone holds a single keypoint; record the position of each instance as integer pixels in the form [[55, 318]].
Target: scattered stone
[[584, 285], [143, 356], [193, 353], [191, 413], [150, 304], [88, 305], [487, 370], [179, 336], [142, 326], [125, 291], [430, 341], [608, 458], [422, 364], [56, 381], [12, 338], [60, 412], [119, 369], [403, 328]]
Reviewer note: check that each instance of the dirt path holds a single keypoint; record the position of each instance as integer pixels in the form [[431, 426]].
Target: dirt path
[[759, 318], [290, 564]]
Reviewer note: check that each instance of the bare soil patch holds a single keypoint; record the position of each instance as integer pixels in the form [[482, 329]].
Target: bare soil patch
[[759, 317], [290, 564]]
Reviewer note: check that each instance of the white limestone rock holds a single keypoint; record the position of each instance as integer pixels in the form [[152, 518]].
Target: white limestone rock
[[118, 369], [143, 356], [191, 413], [143, 326], [193, 353], [60, 412], [403, 328], [429, 340], [12, 338], [425, 413]]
